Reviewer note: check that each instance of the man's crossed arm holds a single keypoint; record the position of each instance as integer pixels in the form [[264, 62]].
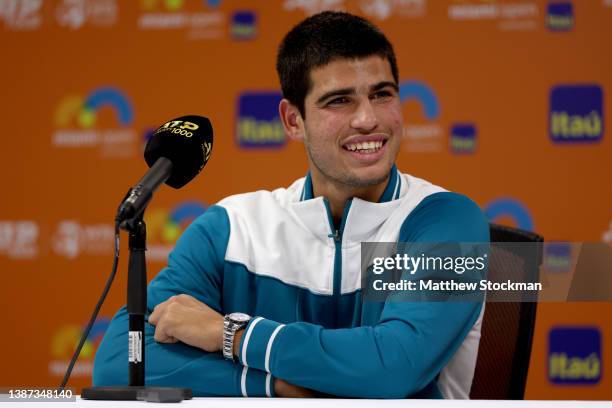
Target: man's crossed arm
[[184, 318]]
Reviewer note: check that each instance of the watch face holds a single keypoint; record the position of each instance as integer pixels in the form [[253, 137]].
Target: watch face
[[240, 317]]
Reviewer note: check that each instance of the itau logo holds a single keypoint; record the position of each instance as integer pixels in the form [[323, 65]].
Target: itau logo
[[78, 127], [258, 124], [244, 25], [557, 256], [574, 355], [560, 16], [463, 138], [576, 114]]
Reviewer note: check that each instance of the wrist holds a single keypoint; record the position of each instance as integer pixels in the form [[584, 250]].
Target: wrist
[[233, 324], [237, 341], [220, 336]]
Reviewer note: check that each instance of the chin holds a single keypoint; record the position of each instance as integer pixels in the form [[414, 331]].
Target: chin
[[372, 176]]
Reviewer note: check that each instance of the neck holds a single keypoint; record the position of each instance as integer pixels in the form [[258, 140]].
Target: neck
[[338, 194]]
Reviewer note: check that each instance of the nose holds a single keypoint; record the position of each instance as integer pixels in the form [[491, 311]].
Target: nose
[[364, 119]]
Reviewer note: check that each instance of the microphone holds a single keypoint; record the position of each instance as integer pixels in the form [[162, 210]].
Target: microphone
[[176, 153]]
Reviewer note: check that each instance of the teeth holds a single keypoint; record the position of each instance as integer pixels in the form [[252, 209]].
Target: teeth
[[365, 147]]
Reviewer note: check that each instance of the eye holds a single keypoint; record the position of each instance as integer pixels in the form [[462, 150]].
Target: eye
[[338, 101], [382, 95]]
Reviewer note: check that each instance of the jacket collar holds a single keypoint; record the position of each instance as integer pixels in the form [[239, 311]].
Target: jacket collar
[[363, 219]]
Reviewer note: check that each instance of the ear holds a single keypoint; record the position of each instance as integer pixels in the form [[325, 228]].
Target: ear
[[292, 120]]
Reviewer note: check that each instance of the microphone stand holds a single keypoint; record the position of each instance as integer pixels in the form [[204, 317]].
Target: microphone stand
[[137, 308], [137, 299]]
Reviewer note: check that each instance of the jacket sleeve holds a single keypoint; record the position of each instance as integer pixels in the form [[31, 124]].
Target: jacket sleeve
[[195, 267], [403, 352]]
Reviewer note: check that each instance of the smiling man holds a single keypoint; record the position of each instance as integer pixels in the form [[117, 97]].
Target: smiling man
[[262, 294], [351, 124]]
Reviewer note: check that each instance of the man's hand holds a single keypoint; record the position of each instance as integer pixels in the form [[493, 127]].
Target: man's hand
[[184, 318]]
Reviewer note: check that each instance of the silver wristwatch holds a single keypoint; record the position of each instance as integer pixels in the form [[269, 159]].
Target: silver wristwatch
[[231, 324]]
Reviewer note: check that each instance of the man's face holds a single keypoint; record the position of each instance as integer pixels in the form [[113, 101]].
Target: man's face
[[353, 122]]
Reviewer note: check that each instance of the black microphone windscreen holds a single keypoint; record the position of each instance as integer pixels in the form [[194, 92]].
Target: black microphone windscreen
[[187, 142]]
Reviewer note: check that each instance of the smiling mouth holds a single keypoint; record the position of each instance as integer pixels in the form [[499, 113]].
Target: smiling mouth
[[365, 147]]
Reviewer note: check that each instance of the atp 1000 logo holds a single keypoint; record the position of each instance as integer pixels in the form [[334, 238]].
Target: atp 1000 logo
[[179, 127]]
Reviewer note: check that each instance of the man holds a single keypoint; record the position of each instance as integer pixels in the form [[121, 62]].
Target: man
[[290, 259]]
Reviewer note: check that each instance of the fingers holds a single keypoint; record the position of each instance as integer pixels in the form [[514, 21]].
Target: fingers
[[165, 319], [162, 337], [184, 318], [157, 312], [161, 308]]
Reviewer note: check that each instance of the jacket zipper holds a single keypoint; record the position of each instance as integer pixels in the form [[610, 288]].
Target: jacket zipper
[[336, 235]]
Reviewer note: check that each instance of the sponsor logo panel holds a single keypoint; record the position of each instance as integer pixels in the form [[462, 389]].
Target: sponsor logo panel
[[65, 340], [557, 256], [509, 211], [560, 16], [421, 136], [385, 9], [463, 138], [310, 7], [574, 355], [72, 239], [19, 239], [198, 20], [511, 16], [77, 127], [244, 25], [258, 124], [164, 227], [21, 15], [576, 114], [74, 14]]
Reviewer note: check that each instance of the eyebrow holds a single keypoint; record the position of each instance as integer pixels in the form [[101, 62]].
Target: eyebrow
[[351, 91], [385, 84], [335, 92]]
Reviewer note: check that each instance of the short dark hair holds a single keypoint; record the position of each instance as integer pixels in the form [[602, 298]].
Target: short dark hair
[[320, 39]]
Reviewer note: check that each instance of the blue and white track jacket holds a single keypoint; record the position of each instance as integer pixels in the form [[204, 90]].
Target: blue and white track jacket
[[278, 257]]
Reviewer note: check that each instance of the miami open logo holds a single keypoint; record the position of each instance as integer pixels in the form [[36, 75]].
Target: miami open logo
[[199, 20], [64, 342], [101, 120], [509, 211], [164, 227], [424, 136]]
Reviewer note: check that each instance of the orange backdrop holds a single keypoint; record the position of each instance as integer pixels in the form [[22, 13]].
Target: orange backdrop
[[505, 102]]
